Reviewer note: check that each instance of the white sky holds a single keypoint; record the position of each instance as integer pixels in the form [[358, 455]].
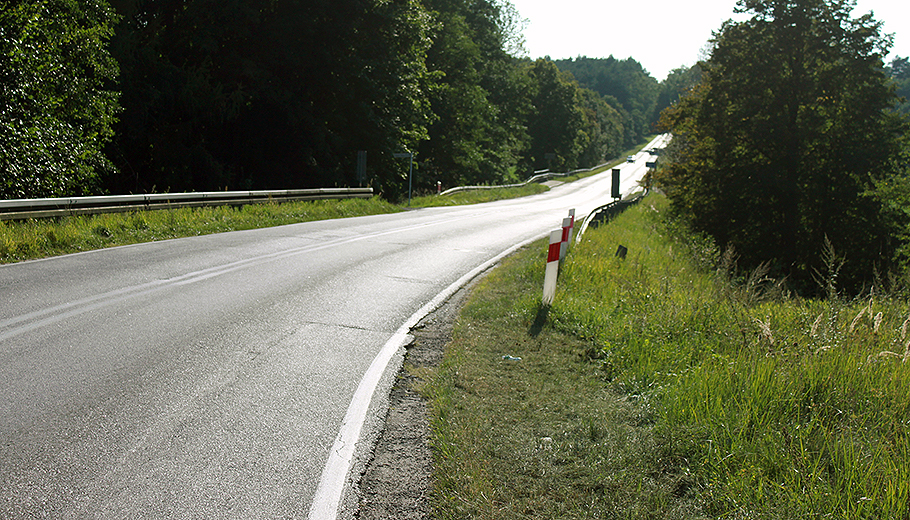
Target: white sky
[[662, 35]]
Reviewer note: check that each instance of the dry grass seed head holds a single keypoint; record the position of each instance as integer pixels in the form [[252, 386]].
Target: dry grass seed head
[[904, 329], [859, 316], [765, 328], [814, 330]]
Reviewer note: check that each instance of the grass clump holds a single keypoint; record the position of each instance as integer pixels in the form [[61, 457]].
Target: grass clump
[[671, 387], [24, 240]]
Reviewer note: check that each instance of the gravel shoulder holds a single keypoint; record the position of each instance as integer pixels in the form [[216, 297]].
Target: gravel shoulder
[[396, 482]]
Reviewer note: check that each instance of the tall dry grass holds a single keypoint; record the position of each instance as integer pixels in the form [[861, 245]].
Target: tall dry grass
[[779, 407]]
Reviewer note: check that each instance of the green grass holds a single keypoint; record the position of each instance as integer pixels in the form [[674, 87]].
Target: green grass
[[24, 240], [669, 388], [477, 196], [39, 238]]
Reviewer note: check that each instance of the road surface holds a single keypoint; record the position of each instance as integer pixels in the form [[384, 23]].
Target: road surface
[[224, 376]]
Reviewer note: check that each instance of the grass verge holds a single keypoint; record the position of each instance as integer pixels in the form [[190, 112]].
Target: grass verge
[[662, 386], [477, 196], [24, 240]]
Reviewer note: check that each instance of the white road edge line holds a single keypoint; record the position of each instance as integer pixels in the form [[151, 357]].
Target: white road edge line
[[331, 488]]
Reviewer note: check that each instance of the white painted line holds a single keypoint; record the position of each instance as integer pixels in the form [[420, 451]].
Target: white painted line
[[332, 484]]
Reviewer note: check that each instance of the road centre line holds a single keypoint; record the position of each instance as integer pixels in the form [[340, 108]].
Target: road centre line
[[36, 319]]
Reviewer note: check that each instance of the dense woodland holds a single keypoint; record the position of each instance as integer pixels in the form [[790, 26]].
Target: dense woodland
[[168, 95], [790, 147]]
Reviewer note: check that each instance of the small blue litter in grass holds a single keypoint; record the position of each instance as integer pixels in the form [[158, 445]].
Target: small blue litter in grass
[[510, 358]]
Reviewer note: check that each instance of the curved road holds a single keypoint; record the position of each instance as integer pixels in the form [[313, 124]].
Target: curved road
[[210, 377]]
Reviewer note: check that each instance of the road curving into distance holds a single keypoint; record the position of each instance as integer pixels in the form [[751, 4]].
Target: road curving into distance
[[229, 375]]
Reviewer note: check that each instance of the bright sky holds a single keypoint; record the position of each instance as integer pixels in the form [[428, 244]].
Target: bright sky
[[662, 35]]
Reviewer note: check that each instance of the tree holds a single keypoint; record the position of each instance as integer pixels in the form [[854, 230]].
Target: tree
[[602, 129], [900, 73], [55, 112], [625, 84], [557, 120], [258, 94], [779, 148], [678, 82], [476, 136]]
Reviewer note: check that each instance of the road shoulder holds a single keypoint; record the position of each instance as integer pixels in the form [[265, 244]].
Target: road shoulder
[[396, 481]]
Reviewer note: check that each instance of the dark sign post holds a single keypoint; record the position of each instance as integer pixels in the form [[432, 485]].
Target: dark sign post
[[361, 167], [410, 157], [615, 192]]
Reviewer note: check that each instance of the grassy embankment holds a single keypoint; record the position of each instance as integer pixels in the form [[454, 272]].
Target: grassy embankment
[[657, 387]]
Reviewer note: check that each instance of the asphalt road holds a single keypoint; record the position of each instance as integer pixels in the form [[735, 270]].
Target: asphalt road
[[209, 377]]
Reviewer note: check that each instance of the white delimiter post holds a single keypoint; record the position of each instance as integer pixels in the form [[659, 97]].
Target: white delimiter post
[[549, 281], [566, 234]]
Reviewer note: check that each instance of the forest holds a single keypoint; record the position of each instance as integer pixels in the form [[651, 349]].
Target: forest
[[791, 145], [134, 96]]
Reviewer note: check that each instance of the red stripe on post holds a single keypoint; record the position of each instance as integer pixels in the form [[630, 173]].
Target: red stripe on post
[[553, 254], [555, 243]]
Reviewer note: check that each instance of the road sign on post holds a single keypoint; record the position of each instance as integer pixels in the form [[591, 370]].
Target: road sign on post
[[615, 192]]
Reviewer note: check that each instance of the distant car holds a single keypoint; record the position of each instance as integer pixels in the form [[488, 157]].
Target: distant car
[[630, 158]]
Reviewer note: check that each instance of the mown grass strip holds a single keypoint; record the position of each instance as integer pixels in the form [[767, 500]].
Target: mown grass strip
[[24, 240], [666, 385], [477, 196], [40, 238]]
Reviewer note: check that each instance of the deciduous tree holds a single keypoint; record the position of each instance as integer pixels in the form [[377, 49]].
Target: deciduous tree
[[779, 147], [56, 111]]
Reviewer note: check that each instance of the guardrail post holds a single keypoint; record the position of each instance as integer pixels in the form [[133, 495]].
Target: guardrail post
[[549, 281]]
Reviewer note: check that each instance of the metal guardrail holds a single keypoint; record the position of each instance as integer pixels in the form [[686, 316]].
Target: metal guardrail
[[540, 175], [18, 209], [606, 213]]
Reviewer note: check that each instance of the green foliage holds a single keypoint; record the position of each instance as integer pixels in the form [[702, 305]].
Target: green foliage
[[262, 94], [555, 126], [625, 85], [774, 407], [602, 129], [678, 83], [55, 111], [899, 71], [780, 146], [478, 106]]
